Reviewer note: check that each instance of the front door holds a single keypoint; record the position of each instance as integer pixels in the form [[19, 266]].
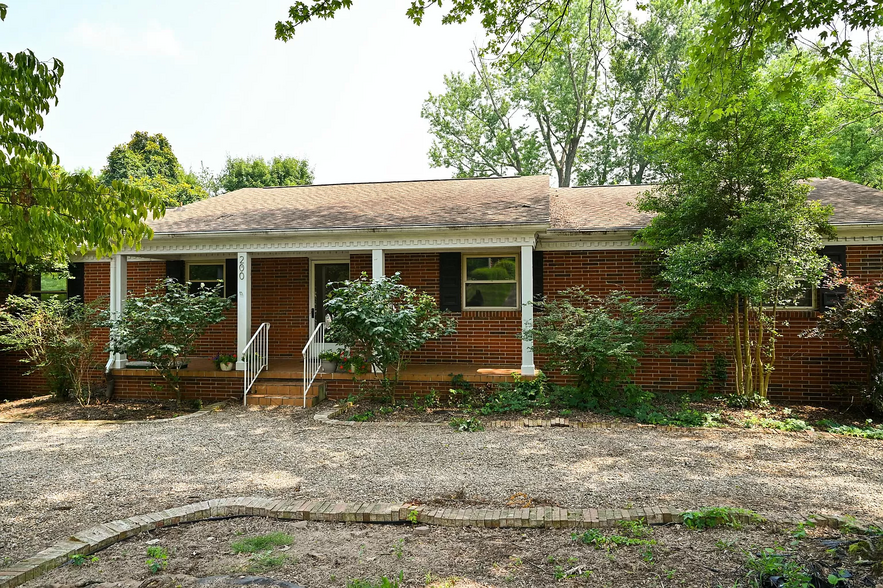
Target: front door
[[325, 277]]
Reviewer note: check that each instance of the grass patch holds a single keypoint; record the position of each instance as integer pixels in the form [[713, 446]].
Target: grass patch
[[261, 543], [265, 560], [720, 516], [383, 582]]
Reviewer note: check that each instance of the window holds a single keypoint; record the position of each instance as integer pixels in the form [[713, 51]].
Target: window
[[490, 282], [49, 285], [805, 298], [205, 275]]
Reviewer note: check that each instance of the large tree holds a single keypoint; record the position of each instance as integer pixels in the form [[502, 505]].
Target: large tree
[[256, 172], [735, 232], [47, 213], [531, 117], [148, 162]]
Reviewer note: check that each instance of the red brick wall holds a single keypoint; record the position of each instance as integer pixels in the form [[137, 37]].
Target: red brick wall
[[807, 369], [280, 291], [152, 387]]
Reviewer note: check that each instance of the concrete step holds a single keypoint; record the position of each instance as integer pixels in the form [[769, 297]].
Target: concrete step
[[284, 393]]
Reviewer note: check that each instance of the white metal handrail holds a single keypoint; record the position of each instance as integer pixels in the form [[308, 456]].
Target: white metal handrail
[[256, 357], [312, 361]]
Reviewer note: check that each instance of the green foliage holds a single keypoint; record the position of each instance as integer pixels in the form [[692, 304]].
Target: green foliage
[[466, 424], [46, 212], [363, 416], [734, 229], [867, 432], [261, 542], [719, 516], [80, 560], [148, 163], [383, 582], [157, 559], [858, 319], [163, 325], [769, 563], [56, 338], [382, 322], [794, 425], [600, 341], [870, 552], [746, 401], [265, 560], [256, 172], [634, 533], [521, 396]]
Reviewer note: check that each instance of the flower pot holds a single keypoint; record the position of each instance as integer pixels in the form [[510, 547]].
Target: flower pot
[[226, 367], [328, 367]]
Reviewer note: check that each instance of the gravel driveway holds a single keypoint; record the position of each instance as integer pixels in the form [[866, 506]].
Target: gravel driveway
[[55, 479]]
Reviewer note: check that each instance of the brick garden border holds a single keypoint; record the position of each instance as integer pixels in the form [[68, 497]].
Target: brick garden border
[[96, 538]]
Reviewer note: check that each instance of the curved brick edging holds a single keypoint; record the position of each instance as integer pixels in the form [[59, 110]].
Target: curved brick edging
[[102, 536], [97, 423]]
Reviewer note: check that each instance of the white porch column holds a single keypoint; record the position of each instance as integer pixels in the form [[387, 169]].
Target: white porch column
[[378, 268], [118, 287], [243, 305], [527, 366]]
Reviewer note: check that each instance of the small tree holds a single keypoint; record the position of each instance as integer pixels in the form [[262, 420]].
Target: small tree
[[598, 340], [383, 321], [56, 338], [163, 326], [858, 319]]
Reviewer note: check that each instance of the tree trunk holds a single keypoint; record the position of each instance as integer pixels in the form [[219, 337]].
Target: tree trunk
[[737, 346]]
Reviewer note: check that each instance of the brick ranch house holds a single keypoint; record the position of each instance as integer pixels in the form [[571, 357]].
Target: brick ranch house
[[277, 248]]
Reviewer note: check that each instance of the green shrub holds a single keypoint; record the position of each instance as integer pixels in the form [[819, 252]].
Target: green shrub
[[363, 416], [794, 425], [747, 401], [261, 542], [522, 396], [56, 338], [867, 432], [771, 564], [720, 516]]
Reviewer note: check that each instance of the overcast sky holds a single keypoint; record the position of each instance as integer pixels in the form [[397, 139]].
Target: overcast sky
[[345, 94]]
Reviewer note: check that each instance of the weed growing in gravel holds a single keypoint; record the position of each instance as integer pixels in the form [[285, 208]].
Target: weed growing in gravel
[[363, 416], [636, 533], [383, 582], [466, 424], [719, 516], [157, 559], [261, 543], [398, 548], [79, 559]]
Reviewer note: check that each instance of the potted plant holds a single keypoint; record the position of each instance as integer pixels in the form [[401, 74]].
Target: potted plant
[[330, 361], [225, 362]]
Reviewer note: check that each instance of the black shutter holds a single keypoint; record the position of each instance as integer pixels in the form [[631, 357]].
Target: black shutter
[[449, 272], [230, 277], [175, 270], [829, 297], [537, 276], [76, 283]]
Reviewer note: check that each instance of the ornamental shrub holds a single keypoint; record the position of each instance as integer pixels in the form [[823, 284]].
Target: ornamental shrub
[[163, 326], [55, 336], [382, 322]]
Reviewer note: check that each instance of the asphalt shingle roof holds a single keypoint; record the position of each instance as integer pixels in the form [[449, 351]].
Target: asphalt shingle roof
[[468, 202], [471, 202]]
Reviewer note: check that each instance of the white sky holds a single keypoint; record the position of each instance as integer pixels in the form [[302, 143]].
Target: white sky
[[345, 94]]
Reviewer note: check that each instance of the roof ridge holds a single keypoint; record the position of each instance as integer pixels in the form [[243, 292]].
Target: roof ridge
[[402, 182]]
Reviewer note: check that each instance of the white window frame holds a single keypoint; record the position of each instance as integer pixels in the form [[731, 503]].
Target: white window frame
[[213, 283], [517, 257]]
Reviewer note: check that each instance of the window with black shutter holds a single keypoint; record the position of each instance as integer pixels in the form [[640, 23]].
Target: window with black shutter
[[76, 282], [829, 297], [449, 285]]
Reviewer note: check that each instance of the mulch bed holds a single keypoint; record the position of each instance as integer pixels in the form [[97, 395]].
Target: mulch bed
[[49, 409], [335, 554], [402, 412]]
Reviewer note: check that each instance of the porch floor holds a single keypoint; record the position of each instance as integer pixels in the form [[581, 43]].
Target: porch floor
[[285, 368]]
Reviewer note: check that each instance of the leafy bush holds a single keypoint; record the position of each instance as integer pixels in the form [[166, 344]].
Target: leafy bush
[[163, 326], [466, 424], [381, 322], [746, 401], [55, 336], [261, 542], [770, 564], [794, 425], [598, 340], [521, 396], [719, 516]]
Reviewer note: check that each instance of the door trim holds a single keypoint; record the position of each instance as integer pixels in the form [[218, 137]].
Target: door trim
[[312, 298]]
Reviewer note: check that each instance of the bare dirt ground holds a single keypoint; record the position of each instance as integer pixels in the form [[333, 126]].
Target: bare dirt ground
[[56, 479], [327, 554], [47, 408]]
